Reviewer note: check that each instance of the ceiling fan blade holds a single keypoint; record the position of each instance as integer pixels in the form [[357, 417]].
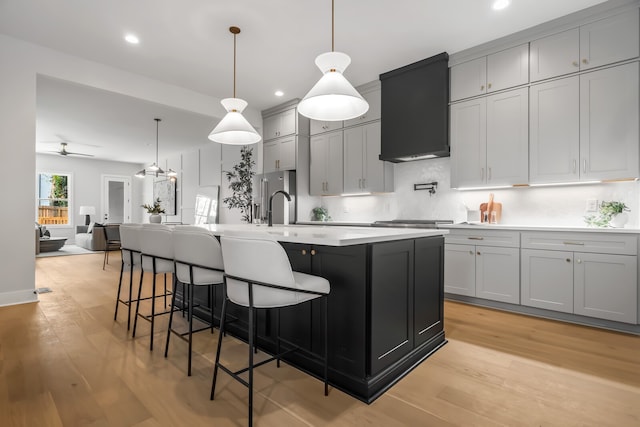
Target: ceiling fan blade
[[70, 153]]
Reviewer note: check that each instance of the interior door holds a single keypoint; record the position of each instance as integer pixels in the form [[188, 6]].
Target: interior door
[[116, 199]]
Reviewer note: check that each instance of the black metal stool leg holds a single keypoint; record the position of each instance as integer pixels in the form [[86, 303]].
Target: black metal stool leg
[[173, 303], [326, 344], [135, 322], [153, 305], [251, 351], [115, 316], [222, 323]]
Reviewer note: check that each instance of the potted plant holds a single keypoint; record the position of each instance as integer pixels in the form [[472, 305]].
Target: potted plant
[[610, 214], [241, 184], [155, 210], [320, 214]]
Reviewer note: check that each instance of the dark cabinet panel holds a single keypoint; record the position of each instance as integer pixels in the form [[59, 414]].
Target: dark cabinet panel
[[429, 289]]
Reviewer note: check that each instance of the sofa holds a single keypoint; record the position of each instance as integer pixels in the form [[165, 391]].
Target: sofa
[[91, 237]]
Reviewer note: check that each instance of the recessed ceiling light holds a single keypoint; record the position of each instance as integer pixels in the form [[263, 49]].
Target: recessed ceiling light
[[132, 38], [500, 4], [279, 93]]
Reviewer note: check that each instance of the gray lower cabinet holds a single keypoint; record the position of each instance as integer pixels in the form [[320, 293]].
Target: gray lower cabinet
[[598, 281]]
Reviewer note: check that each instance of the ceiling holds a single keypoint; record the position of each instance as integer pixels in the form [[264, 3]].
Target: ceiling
[[187, 43]]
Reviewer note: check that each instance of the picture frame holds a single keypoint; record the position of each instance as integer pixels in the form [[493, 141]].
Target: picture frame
[[166, 190]]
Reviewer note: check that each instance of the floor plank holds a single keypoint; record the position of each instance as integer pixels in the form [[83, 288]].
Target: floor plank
[[65, 362]]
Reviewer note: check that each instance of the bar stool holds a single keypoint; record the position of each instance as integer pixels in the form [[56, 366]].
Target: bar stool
[[112, 241], [130, 249], [258, 274], [157, 258], [198, 262]]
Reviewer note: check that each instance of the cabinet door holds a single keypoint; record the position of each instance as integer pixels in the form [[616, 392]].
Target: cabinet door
[[429, 290], [469, 79], [373, 168], [555, 55], [317, 126], [554, 134], [460, 269], [287, 153], [391, 296], [281, 124], [354, 148], [508, 138], [609, 40], [609, 110], [335, 169], [271, 154], [317, 165], [606, 286], [498, 274], [547, 279], [271, 126], [469, 143], [373, 113], [508, 68]]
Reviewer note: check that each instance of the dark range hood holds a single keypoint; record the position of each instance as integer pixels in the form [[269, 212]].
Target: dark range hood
[[415, 110]]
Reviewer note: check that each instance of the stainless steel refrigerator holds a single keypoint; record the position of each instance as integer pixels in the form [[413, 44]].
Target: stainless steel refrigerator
[[264, 185]]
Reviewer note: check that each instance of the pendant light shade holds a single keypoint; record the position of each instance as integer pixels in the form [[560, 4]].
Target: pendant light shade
[[234, 129], [154, 169], [333, 98]]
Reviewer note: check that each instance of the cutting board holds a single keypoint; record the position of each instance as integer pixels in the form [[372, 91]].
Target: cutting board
[[497, 207]]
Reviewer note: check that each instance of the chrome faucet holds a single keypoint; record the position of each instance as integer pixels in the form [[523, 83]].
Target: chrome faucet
[[270, 211]]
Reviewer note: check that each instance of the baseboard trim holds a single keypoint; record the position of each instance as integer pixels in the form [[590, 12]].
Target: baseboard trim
[[18, 297]]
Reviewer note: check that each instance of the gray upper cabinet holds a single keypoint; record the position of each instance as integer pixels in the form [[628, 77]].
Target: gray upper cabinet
[[592, 45], [609, 40], [317, 126], [371, 92], [555, 55], [280, 124], [498, 71]]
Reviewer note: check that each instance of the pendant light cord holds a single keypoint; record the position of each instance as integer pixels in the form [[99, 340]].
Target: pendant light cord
[[234, 64], [332, 24], [157, 125]]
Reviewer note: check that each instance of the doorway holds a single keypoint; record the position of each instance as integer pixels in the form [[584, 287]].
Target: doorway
[[116, 199]]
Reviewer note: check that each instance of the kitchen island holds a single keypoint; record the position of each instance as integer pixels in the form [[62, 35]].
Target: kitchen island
[[385, 305]]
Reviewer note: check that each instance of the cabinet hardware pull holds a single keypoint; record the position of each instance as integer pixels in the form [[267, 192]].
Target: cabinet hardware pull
[[481, 174], [304, 252], [481, 87], [574, 243], [313, 251], [579, 261], [574, 165], [489, 86], [479, 253], [584, 166], [489, 175], [359, 182], [568, 259], [475, 238], [585, 61], [575, 63], [470, 252]]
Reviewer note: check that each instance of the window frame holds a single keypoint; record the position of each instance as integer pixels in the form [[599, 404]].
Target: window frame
[[70, 203]]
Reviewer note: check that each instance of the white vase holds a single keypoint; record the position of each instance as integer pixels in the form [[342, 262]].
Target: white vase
[[619, 220], [155, 219]]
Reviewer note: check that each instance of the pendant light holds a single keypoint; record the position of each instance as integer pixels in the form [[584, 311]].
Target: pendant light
[[154, 169], [234, 129], [333, 98]]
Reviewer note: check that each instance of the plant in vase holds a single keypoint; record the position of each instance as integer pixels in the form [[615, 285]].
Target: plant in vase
[[155, 210], [241, 184], [320, 214], [610, 214]]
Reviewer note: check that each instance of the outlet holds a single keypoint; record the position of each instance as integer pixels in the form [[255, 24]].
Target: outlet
[[592, 205]]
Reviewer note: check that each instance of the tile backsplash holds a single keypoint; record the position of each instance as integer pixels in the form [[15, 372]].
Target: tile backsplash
[[545, 206]]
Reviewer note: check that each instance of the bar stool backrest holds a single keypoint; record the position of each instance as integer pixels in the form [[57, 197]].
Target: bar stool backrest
[[257, 259], [197, 246], [130, 243], [156, 241]]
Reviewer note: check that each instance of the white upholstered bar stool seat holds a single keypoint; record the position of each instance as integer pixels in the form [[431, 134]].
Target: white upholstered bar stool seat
[[157, 258], [198, 262], [258, 274], [131, 261]]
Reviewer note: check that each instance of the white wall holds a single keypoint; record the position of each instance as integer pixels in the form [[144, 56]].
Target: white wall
[[548, 206], [87, 187], [21, 62]]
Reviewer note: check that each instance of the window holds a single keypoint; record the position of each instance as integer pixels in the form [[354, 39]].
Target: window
[[53, 198]]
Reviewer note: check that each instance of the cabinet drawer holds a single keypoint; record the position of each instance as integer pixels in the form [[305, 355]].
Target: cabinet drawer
[[483, 237], [604, 243]]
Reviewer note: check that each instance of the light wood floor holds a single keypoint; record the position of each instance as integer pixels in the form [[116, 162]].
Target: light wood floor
[[65, 362]]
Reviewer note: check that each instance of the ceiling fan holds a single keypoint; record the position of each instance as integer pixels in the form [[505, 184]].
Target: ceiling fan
[[63, 151]]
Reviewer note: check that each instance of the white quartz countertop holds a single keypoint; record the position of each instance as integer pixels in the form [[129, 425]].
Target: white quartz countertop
[[325, 235], [485, 226]]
